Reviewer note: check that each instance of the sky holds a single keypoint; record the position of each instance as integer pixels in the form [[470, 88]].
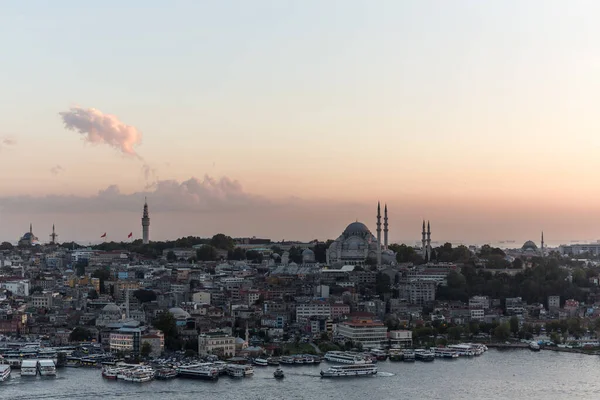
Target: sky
[[289, 119]]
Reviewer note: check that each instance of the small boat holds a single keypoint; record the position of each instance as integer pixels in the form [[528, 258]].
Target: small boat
[[273, 361], [165, 374], [408, 356], [424, 355], [261, 362], [299, 360], [278, 374], [534, 346], [4, 372], [287, 360]]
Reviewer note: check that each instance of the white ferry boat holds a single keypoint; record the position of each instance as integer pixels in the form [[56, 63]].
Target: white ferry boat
[[349, 370], [261, 362], [198, 372], [4, 372], [444, 352], [140, 374], [424, 355], [237, 370], [29, 367], [344, 358], [46, 367]]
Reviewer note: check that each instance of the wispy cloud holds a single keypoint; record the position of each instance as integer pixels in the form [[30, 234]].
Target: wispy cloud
[[100, 128], [193, 195], [7, 141], [57, 169]]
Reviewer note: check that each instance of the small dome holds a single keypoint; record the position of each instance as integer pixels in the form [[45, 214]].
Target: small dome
[[529, 245], [179, 313], [239, 340], [356, 228], [111, 308]]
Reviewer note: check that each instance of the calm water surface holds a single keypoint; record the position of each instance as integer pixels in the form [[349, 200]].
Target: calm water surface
[[515, 374]]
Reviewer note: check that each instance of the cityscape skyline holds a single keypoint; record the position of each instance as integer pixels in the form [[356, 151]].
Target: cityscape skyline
[[290, 121]]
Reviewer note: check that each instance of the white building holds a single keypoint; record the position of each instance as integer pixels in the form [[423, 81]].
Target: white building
[[313, 309], [201, 297], [477, 314], [553, 302], [402, 338], [371, 334], [479, 302], [18, 288], [217, 343]]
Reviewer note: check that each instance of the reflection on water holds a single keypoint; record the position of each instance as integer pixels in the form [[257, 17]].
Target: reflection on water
[[517, 374]]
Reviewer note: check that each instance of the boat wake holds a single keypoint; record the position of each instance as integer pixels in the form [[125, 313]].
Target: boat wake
[[386, 374]]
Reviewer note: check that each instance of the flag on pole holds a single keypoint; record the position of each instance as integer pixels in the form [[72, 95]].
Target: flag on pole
[[130, 235], [103, 235]]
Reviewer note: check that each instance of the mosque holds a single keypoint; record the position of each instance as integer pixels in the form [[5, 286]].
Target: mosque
[[357, 245], [28, 239]]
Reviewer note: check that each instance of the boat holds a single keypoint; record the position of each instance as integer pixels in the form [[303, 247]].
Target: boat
[[444, 352], [408, 356], [287, 360], [278, 374], [379, 354], [239, 371], [534, 346], [261, 362], [46, 367], [140, 374], [198, 372], [344, 358], [424, 355], [164, 374], [298, 360], [110, 373], [273, 361], [336, 371], [4, 372], [29, 368]]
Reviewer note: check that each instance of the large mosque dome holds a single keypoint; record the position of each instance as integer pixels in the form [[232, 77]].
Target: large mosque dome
[[356, 229], [111, 308]]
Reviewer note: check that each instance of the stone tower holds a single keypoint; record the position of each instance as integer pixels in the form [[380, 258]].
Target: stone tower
[[146, 224]]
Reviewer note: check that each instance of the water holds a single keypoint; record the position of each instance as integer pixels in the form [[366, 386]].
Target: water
[[514, 374]]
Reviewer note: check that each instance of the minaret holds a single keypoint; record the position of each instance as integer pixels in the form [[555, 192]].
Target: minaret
[[53, 236], [542, 243], [385, 228], [378, 234], [247, 335], [145, 224], [31, 228], [424, 243], [428, 242]]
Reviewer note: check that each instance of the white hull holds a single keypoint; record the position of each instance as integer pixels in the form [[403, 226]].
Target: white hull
[[5, 373]]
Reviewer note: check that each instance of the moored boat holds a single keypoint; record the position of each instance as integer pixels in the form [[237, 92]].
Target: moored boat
[[408, 356], [29, 368], [46, 367], [261, 362], [165, 374], [4, 372], [273, 361], [345, 358], [198, 372], [534, 346], [424, 355]]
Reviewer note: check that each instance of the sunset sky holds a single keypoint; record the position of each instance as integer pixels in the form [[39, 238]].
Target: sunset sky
[[291, 119]]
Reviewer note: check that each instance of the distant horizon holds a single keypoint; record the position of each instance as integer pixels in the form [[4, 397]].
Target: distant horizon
[[292, 119]]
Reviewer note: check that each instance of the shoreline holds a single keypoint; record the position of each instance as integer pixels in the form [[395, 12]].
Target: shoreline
[[504, 346]]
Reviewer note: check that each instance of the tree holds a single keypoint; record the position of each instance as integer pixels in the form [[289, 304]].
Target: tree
[[6, 246], [144, 296], [167, 324], [171, 257], [382, 284], [223, 242], [80, 267], [92, 294], [236, 254], [80, 334], [502, 332], [254, 256], [514, 325], [146, 349], [206, 253]]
